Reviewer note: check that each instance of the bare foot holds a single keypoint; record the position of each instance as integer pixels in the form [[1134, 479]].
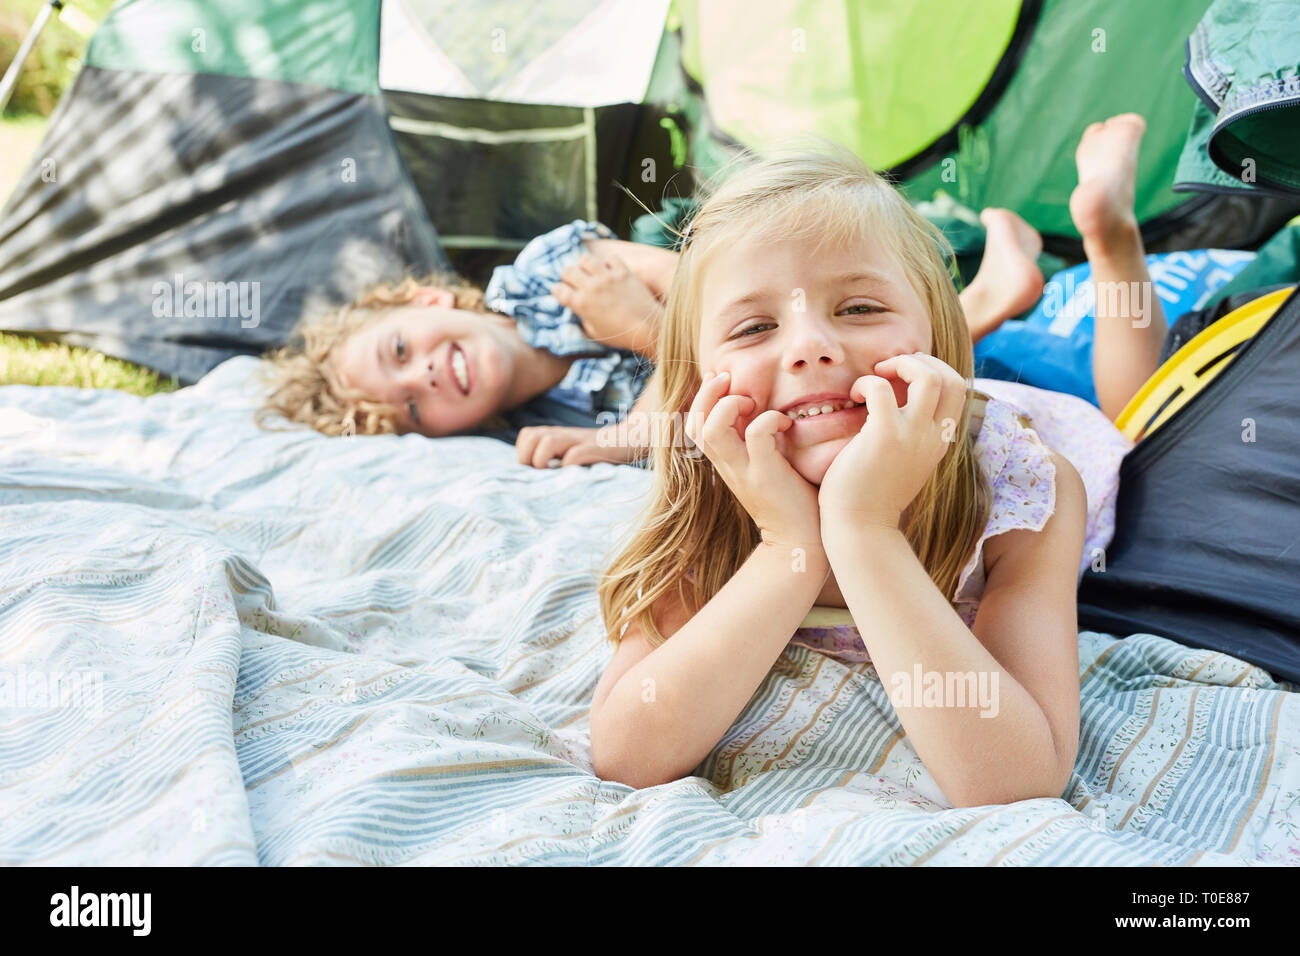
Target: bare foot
[[1009, 282], [1102, 204]]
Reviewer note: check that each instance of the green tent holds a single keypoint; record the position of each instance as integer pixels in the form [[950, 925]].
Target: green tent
[[217, 168]]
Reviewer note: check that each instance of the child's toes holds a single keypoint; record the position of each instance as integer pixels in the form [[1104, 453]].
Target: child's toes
[[1093, 130]]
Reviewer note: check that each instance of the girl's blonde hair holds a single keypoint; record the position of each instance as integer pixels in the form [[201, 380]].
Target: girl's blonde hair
[[302, 377], [694, 523]]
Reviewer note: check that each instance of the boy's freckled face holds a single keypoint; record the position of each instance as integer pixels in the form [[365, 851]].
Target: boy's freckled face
[[445, 369], [792, 323]]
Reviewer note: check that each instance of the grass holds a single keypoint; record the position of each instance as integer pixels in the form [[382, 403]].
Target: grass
[[28, 361]]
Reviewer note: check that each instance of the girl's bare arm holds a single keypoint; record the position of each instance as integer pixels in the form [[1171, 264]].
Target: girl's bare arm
[[665, 709], [1021, 741], [658, 712]]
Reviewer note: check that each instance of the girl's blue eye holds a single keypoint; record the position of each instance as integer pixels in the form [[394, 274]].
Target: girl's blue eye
[[401, 348], [414, 410], [868, 309], [753, 328]]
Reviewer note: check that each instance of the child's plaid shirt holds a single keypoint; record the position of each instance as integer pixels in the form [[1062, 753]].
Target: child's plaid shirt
[[604, 379]]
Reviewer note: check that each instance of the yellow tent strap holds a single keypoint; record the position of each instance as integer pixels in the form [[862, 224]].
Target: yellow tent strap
[[1194, 366]]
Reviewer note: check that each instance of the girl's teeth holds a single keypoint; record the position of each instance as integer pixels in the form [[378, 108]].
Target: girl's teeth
[[822, 409]]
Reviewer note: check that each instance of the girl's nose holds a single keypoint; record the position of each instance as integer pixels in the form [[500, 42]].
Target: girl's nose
[[811, 342]]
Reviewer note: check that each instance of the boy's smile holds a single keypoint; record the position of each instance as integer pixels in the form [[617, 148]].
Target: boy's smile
[[797, 326], [445, 369]]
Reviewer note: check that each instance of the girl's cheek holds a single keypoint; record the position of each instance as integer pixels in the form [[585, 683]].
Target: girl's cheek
[[704, 361]]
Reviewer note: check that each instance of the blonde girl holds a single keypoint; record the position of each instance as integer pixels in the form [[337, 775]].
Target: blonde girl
[[814, 339]]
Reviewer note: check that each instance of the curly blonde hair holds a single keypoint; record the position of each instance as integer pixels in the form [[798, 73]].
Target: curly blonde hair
[[302, 378]]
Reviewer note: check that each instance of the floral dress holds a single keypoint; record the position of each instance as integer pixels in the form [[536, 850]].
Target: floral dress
[[1017, 427]]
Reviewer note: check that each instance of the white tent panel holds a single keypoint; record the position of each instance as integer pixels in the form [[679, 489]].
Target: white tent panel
[[617, 41]]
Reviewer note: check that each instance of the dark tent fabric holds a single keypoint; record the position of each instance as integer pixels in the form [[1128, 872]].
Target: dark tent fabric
[[553, 164], [208, 178], [161, 186], [1207, 543]]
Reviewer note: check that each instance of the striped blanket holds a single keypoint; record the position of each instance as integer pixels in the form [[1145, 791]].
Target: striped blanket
[[223, 645]]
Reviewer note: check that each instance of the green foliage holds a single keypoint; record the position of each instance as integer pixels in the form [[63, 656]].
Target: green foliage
[[54, 62]]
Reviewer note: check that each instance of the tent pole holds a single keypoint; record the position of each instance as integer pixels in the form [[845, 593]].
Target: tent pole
[[11, 75]]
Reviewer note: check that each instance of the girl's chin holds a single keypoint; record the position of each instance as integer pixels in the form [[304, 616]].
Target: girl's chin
[[812, 462]]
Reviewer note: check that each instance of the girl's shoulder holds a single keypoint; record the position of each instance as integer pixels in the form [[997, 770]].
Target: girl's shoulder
[[1021, 475], [1078, 432], [1017, 463]]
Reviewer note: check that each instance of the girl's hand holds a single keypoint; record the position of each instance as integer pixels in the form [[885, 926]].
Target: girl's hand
[[878, 473], [781, 502]]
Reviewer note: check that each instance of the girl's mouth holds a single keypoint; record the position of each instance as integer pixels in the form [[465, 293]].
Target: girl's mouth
[[822, 409], [809, 428]]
